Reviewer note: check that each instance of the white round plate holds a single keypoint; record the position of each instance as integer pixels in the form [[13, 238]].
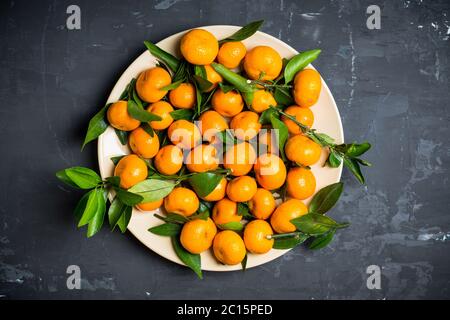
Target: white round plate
[[326, 116]]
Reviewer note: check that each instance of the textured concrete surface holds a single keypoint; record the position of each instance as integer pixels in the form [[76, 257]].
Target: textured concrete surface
[[391, 86]]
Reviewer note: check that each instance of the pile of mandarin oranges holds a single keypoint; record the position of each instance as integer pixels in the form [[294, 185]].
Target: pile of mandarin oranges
[[256, 170]]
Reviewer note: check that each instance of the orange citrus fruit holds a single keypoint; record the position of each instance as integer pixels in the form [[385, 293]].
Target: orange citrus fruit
[[262, 204], [211, 123], [202, 158], [241, 189], [231, 54], [302, 150], [131, 170], [143, 144], [163, 110], [227, 104], [270, 171], [218, 193], [255, 236], [199, 46], [229, 248], [303, 115], [262, 62], [262, 100], [150, 206], [301, 183], [282, 216], [212, 76], [182, 201], [184, 134], [119, 118], [245, 125], [239, 158], [307, 86], [168, 160], [150, 82], [198, 235], [183, 96], [225, 211]]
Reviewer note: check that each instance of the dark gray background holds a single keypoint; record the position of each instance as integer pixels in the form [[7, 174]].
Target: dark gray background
[[391, 86]]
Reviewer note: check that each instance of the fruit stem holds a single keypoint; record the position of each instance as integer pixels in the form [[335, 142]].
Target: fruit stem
[[306, 130], [283, 235], [162, 55]]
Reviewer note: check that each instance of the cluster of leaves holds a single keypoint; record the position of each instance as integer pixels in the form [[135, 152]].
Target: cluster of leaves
[[92, 206], [342, 153], [196, 74], [173, 224], [315, 225]]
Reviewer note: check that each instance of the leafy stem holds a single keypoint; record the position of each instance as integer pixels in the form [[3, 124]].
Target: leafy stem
[[283, 235], [268, 85], [348, 154]]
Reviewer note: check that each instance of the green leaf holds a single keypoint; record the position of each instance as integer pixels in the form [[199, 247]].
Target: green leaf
[[281, 131], [116, 210], [298, 62], [322, 241], [116, 159], [134, 94], [204, 183], [162, 55], [316, 224], [244, 263], [353, 166], [114, 181], [226, 87], [326, 198], [129, 198], [243, 210], [173, 218], [245, 32], [139, 113], [84, 178], [166, 229], [81, 206], [283, 96], [355, 149], [233, 225], [97, 221], [266, 115], [124, 219], [324, 138], [289, 242], [182, 71], [202, 84], [203, 215], [363, 162], [152, 189], [147, 128], [334, 159], [200, 71], [90, 208], [124, 95], [61, 175], [97, 125], [122, 135], [182, 114], [198, 98], [238, 81], [193, 261], [172, 86]]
